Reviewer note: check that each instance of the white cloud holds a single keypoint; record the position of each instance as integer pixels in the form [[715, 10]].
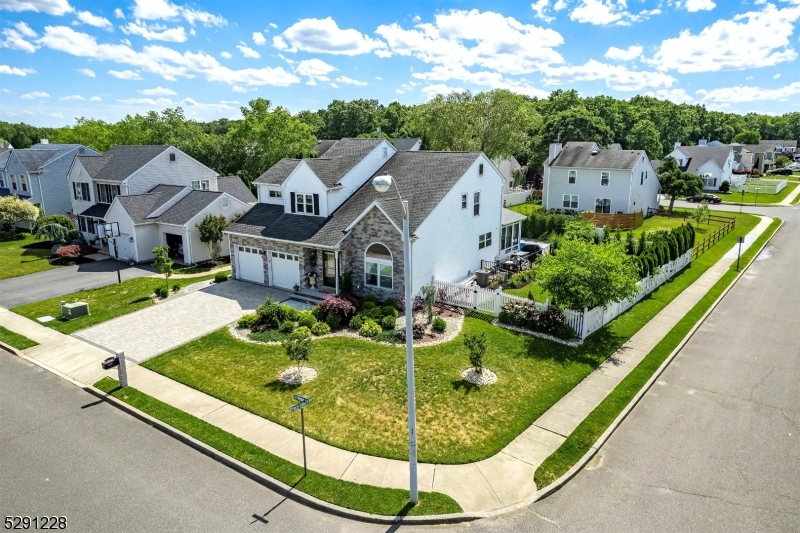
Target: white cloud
[[95, 99], [16, 71], [247, 51], [351, 81], [125, 74], [57, 115], [432, 90], [51, 7], [119, 14], [158, 91], [472, 38], [678, 96], [238, 89], [540, 7], [223, 105], [86, 72], [226, 55], [776, 76], [145, 101], [259, 39], [166, 10], [699, 5], [163, 61], [86, 17], [315, 69], [155, 32], [750, 40], [494, 80], [35, 94], [324, 36], [723, 97], [72, 97], [17, 37], [605, 12], [273, 25], [378, 78], [627, 54], [616, 76]]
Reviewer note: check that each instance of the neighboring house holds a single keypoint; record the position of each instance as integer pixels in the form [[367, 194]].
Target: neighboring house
[[323, 145], [582, 177], [95, 180], [408, 145], [507, 167], [39, 174], [763, 155], [783, 147], [456, 220], [714, 164], [168, 214]]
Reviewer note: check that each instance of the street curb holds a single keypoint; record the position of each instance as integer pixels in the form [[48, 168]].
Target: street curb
[[11, 349]]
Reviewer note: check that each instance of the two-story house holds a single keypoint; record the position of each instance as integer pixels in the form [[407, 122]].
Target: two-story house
[[456, 220], [763, 155], [714, 164], [39, 174], [580, 177]]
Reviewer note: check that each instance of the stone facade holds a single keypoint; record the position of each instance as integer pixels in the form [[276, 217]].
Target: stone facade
[[267, 246], [371, 229]]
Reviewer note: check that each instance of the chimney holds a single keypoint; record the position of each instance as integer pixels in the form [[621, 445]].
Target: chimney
[[677, 144], [555, 149], [44, 141], [379, 132], [702, 142]]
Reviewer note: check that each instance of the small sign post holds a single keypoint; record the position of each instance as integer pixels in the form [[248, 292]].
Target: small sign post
[[301, 405], [741, 240], [110, 234]]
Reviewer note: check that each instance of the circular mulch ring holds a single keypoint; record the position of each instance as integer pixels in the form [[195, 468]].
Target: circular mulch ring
[[298, 375], [487, 377]]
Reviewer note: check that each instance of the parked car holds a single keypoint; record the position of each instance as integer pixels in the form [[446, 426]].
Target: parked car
[[710, 198], [781, 172]]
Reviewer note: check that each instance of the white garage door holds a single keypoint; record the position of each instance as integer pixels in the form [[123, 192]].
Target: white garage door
[[285, 270], [250, 264]]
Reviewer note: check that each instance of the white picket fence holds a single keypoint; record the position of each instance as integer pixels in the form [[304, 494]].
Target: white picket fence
[[583, 322]]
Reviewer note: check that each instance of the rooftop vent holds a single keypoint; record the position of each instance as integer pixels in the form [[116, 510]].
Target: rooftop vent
[[594, 152], [44, 141]]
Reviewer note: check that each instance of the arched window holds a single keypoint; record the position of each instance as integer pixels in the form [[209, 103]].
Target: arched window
[[378, 266]]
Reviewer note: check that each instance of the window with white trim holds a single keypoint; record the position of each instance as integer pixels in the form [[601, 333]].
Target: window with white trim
[[23, 183], [106, 192], [80, 191], [605, 176], [200, 185], [464, 201], [509, 238], [13, 182], [484, 240], [573, 175], [476, 204], [2, 180], [225, 202], [378, 266], [570, 201], [275, 193], [602, 205], [304, 203]]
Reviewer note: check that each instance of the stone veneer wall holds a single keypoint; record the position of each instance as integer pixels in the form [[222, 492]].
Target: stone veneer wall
[[276, 246], [371, 229]]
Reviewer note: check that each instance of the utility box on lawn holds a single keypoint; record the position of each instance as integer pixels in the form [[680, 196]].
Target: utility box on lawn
[[74, 310]]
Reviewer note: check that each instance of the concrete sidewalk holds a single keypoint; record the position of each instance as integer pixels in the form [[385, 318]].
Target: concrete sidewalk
[[790, 197], [499, 481]]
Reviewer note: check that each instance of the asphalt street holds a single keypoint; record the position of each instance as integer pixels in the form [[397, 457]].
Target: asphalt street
[[65, 280]]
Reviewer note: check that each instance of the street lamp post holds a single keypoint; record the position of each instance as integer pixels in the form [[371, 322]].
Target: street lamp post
[[756, 201], [382, 184], [741, 204]]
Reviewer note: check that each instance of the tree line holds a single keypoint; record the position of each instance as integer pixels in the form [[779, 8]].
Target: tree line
[[499, 123]]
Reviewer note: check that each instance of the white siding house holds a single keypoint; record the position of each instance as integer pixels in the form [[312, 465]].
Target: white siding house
[[714, 164]]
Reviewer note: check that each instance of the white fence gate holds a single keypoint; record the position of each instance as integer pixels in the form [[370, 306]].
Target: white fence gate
[[583, 322]]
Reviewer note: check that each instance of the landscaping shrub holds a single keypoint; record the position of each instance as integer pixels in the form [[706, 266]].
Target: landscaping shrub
[[390, 310], [271, 314], [333, 321], [369, 329], [520, 279], [219, 277], [248, 321], [287, 327], [320, 328], [162, 292], [291, 313], [429, 299], [318, 313], [61, 220], [439, 325], [553, 322], [368, 304], [337, 305], [476, 344], [176, 287], [391, 302], [346, 283], [387, 336], [418, 331], [269, 335], [70, 251], [356, 322], [388, 322], [302, 332], [370, 298], [417, 304], [306, 319], [725, 186], [376, 314], [526, 315]]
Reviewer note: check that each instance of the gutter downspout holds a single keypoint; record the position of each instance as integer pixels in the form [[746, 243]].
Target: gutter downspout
[[41, 193], [336, 268]]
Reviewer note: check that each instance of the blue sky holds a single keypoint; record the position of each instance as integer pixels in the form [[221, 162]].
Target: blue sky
[[65, 58]]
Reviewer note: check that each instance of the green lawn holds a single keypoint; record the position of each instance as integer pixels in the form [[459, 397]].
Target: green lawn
[[366, 498], [526, 209], [22, 256], [105, 303], [359, 396], [16, 340], [678, 218], [538, 293], [587, 433], [750, 197]]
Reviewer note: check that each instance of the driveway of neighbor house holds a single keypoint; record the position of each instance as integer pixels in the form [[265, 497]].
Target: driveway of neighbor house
[[65, 280], [159, 328]]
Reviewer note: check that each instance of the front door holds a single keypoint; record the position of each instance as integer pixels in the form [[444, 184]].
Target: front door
[[329, 269]]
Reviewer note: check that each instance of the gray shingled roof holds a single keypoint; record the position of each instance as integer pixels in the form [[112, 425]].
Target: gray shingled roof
[[579, 155], [580, 144], [186, 208], [120, 161], [655, 163], [138, 206], [270, 221], [277, 173], [323, 145], [33, 159], [786, 143], [509, 216], [761, 148], [234, 186], [700, 155], [4, 158], [405, 145], [615, 146]]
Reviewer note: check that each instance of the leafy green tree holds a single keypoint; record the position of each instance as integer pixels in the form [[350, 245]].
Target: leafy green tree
[[644, 136], [702, 213], [314, 120], [350, 119], [782, 161], [162, 262], [675, 183], [578, 228], [53, 232], [574, 124], [14, 211], [298, 347], [581, 275], [210, 229], [747, 137], [477, 344]]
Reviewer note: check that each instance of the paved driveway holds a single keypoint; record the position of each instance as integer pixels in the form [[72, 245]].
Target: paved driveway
[[65, 280], [160, 328]]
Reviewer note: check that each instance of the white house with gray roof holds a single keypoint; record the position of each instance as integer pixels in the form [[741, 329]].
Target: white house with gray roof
[[580, 176], [714, 164], [456, 221]]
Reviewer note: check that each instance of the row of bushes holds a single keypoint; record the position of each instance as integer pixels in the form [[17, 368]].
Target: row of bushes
[[525, 314], [659, 247]]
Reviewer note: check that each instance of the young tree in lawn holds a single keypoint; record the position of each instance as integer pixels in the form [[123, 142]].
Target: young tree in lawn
[[476, 344], [298, 348], [210, 229], [584, 275], [702, 213], [14, 211], [675, 183], [162, 262]]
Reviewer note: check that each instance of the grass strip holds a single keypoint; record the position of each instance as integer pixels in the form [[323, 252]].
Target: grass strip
[[105, 303], [20, 342], [594, 425], [365, 498]]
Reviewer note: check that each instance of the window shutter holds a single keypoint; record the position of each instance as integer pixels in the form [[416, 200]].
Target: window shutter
[[316, 204], [75, 190], [291, 198]]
